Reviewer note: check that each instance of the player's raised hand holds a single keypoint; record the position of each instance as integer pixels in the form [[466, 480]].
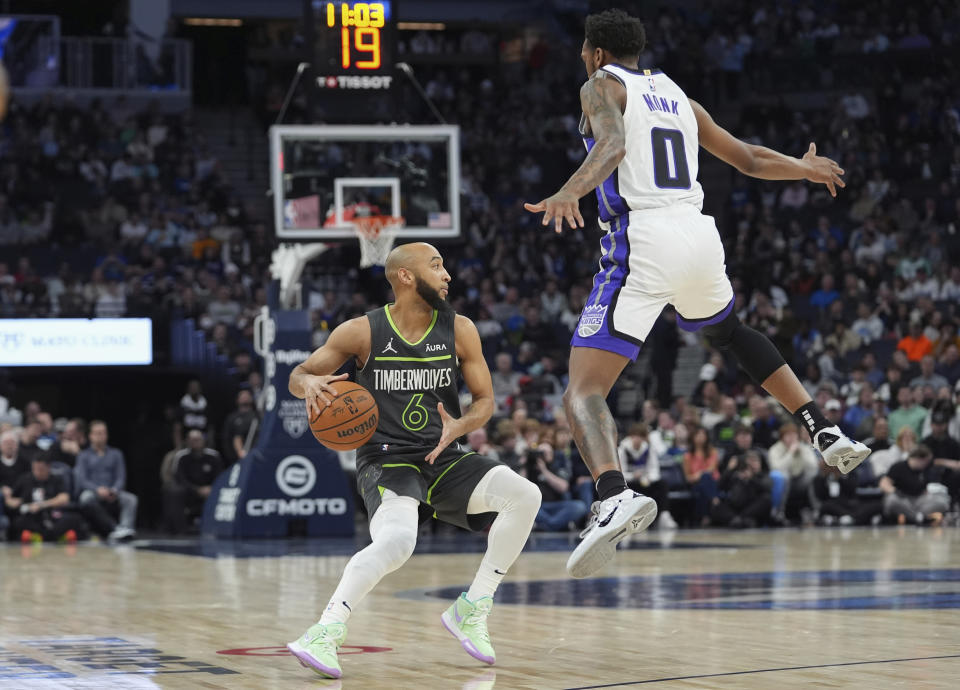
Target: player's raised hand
[[451, 432], [559, 207], [318, 394], [823, 170]]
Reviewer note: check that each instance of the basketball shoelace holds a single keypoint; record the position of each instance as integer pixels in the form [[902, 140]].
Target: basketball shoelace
[[478, 617], [592, 520]]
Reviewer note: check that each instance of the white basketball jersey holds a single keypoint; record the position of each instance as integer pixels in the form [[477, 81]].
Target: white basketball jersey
[[662, 143]]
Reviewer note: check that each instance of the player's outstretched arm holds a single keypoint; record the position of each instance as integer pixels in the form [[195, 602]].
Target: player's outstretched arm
[[602, 101], [476, 375], [310, 380], [764, 163]]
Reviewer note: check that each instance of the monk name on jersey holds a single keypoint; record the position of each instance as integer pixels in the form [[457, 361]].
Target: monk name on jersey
[[390, 380]]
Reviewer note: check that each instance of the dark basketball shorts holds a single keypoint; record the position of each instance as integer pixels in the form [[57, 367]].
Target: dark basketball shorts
[[445, 486]]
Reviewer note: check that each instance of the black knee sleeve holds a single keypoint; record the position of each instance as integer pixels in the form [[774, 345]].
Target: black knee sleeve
[[756, 354]]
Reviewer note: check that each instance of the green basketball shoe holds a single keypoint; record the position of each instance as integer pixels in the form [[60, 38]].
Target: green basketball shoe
[[317, 648], [467, 621]]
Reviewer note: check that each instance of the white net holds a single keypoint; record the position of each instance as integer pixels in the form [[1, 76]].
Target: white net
[[376, 235]]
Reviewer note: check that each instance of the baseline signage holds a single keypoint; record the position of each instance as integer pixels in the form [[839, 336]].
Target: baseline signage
[[75, 342], [288, 476]]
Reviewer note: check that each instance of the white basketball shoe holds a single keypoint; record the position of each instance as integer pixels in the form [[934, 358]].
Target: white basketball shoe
[[838, 450], [613, 520]]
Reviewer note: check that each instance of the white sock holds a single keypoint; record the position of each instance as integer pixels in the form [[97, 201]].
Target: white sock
[[393, 529], [516, 502]]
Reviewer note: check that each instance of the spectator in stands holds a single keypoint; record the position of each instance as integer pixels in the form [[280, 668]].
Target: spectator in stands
[[506, 381], [479, 443], [908, 413], [724, 430], [641, 468], [795, 459], [826, 295], [868, 326], [915, 345], [881, 461], [712, 401], [223, 309], [195, 469], [842, 339], [39, 498], [551, 473], [914, 490], [29, 435], [834, 497], [743, 441], [72, 440], [47, 434], [859, 413], [700, 465], [949, 364], [100, 477], [880, 436], [193, 413], [745, 494], [12, 462], [765, 421], [945, 448], [12, 466], [928, 375], [237, 437]]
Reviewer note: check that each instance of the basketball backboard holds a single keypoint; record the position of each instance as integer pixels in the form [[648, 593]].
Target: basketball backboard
[[323, 175]]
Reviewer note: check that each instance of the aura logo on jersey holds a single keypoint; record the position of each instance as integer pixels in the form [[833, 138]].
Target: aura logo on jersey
[[591, 319], [296, 475]]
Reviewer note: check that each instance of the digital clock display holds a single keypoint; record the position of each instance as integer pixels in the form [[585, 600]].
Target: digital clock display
[[355, 37]]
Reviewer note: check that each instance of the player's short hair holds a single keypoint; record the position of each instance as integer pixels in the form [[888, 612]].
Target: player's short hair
[[616, 32]]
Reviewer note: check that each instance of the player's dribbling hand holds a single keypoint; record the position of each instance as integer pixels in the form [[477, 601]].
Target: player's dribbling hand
[[451, 432], [823, 170], [559, 207], [318, 394]]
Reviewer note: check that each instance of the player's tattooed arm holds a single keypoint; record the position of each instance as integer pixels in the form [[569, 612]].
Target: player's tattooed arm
[[602, 101], [311, 379], [476, 374]]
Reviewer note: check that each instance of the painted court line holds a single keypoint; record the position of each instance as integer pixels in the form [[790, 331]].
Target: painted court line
[[764, 670]]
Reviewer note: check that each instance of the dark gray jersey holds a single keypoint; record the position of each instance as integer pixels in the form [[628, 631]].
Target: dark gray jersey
[[409, 379]]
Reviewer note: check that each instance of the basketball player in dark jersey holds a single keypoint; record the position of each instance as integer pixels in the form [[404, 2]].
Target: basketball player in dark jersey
[[410, 355]]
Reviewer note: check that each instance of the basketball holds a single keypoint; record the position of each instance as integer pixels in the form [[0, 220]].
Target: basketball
[[349, 420]]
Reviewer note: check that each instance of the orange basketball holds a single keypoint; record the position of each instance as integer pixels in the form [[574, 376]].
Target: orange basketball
[[349, 420]]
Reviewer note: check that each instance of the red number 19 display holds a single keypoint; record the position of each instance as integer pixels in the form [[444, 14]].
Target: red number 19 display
[[360, 33]]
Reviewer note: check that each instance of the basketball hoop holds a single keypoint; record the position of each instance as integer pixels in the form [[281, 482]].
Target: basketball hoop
[[376, 235]]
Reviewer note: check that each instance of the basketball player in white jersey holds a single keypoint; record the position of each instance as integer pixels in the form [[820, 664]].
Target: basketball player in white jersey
[[642, 135]]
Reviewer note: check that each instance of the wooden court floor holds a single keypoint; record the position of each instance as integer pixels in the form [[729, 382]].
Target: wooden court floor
[[841, 608]]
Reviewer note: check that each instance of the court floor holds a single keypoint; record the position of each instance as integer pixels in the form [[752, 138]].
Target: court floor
[[842, 608]]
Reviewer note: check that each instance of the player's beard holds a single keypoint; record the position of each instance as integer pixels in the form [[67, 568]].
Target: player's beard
[[431, 296]]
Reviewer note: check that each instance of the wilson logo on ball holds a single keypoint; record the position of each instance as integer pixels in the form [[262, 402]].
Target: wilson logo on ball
[[368, 424]]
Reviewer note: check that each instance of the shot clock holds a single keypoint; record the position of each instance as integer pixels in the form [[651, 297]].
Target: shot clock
[[355, 39], [353, 65], [361, 39]]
